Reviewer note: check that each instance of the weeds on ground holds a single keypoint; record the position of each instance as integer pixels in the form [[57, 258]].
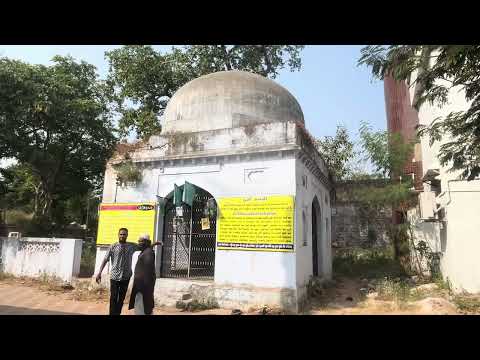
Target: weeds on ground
[[391, 289], [367, 263], [467, 304], [319, 293], [386, 276], [197, 305], [5, 276], [79, 290], [86, 291]]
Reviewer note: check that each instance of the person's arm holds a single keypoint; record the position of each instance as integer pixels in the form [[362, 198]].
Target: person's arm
[[157, 243], [98, 278], [135, 246]]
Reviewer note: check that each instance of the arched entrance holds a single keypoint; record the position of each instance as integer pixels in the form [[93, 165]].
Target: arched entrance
[[316, 236], [188, 246]]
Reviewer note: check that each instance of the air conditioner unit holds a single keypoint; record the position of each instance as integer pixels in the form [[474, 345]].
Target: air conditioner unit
[[427, 204]]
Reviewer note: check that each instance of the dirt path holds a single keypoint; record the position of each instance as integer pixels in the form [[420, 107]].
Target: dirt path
[[27, 299], [347, 299]]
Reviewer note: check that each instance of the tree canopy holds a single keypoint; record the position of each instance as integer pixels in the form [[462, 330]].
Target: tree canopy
[[55, 122], [337, 151], [435, 70]]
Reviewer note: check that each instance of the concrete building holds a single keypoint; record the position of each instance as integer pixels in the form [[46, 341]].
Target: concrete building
[[447, 217], [238, 138]]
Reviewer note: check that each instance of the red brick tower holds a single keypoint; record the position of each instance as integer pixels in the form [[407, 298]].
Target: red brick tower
[[403, 118]]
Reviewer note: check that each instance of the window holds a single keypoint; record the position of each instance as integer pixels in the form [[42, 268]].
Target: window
[[327, 230], [304, 222], [304, 181]]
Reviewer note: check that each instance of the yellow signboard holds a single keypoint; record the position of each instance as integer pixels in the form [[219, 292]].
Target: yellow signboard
[[138, 218], [260, 223]]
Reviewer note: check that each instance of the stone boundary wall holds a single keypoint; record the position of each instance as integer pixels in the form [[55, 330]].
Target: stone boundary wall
[[35, 257]]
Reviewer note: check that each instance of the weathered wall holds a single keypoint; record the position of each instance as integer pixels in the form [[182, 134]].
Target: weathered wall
[[308, 187], [229, 99], [37, 256], [169, 291], [351, 230], [350, 222]]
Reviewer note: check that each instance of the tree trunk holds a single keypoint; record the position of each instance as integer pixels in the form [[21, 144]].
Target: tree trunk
[[43, 202], [226, 58]]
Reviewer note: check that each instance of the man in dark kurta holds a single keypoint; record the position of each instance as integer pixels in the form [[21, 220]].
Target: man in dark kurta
[[143, 279]]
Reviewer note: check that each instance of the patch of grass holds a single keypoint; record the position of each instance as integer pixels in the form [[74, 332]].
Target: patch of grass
[[197, 305], [319, 293], [468, 304], [86, 291], [51, 283], [393, 290], [443, 284], [369, 263], [401, 291], [5, 276]]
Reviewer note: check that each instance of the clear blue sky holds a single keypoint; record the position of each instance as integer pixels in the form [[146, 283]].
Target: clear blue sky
[[330, 88]]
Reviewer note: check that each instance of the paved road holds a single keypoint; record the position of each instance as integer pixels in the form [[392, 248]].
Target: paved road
[[25, 300]]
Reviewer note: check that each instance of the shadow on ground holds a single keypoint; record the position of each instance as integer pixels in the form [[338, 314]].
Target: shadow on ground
[[13, 310]]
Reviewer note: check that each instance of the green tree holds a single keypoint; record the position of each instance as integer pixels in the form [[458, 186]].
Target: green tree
[[20, 188], [436, 69], [55, 121], [388, 153], [143, 80], [337, 151]]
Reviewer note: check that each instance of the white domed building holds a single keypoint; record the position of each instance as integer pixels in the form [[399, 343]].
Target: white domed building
[[250, 223]]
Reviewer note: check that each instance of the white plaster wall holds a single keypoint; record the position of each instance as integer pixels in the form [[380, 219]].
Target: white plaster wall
[[64, 263], [460, 261], [270, 177], [226, 141], [426, 115], [263, 269], [459, 241], [305, 196]]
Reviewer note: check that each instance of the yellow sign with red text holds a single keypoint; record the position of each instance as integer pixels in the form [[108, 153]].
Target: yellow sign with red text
[[138, 218]]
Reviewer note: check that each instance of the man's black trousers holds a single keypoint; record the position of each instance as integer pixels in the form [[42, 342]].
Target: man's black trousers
[[118, 290]]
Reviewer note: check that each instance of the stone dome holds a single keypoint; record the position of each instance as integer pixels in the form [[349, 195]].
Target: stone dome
[[229, 99]]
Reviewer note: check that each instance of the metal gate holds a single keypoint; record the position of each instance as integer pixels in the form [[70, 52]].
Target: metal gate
[[188, 251]]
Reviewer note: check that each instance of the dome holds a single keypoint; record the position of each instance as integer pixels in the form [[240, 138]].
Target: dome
[[229, 99]]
